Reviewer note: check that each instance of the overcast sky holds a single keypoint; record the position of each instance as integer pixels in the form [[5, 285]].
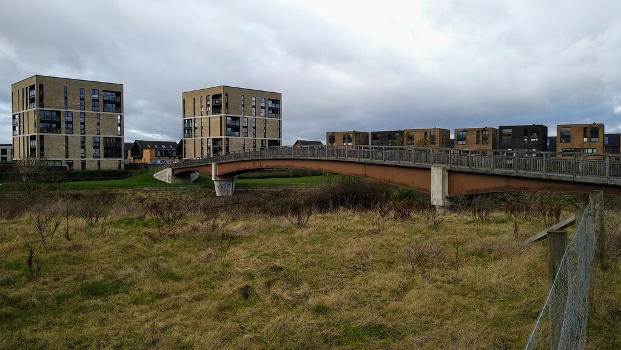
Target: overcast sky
[[340, 65]]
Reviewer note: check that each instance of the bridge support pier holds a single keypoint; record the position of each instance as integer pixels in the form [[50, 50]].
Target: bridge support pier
[[439, 187], [224, 185]]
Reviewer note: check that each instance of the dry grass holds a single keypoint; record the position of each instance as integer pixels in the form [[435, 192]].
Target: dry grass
[[347, 279]]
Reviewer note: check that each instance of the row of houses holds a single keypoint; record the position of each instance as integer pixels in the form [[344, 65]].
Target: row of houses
[[571, 138]]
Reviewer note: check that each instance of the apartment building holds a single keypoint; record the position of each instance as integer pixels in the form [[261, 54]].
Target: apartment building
[[342, 139], [6, 153], [307, 143], [73, 123], [435, 138], [224, 119], [580, 138], [476, 138], [153, 152], [524, 137]]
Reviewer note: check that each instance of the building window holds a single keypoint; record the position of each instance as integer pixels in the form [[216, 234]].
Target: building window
[[33, 146], [195, 127], [254, 144], [485, 137], [232, 126], [82, 123], [478, 138], [216, 104], [432, 137], [207, 104], [226, 103], [15, 124], [244, 127], [95, 100], [119, 125], [585, 136], [83, 165], [31, 97], [112, 147], [565, 135], [81, 99], [202, 126], [66, 146], [41, 103], [263, 145], [183, 107], [49, 122], [96, 147], [201, 103], [111, 101], [66, 100], [589, 150], [264, 128], [279, 129], [41, 146], [98, 123], [99, 165], [461, 137], [254, 127], [187, 128], [254, 106], [263, 106], [202, 145], [69, 165], [594, 134], [242, 105], [273, 108], [68, 122], [82, 147]]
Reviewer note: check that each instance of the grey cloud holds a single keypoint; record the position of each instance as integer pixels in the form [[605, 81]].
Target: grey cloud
[[468, 64]]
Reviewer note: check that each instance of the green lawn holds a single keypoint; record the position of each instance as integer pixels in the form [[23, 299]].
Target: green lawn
[[146, 181]]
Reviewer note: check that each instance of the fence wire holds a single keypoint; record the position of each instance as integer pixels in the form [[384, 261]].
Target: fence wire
[[568, 299]]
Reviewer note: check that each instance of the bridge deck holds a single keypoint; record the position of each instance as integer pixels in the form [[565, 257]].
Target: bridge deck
[[595, 169]]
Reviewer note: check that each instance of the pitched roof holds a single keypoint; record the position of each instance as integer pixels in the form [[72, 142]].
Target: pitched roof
[[308, 143], [161, 145]]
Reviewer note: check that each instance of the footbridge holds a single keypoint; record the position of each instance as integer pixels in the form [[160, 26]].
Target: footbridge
[[442, 173]]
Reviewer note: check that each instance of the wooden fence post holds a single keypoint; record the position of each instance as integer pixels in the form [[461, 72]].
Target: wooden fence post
[[557, 242], [597, 210]]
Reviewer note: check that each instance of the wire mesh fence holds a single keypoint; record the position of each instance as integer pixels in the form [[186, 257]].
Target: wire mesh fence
[[562, 322]]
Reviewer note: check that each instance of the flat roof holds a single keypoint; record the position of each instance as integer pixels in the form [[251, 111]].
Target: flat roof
[[234, 87], [53, 77]]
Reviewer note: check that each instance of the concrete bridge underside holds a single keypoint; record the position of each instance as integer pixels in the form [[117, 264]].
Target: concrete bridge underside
[[453, 183]]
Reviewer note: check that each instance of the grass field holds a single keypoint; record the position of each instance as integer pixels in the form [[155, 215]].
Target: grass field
[[204, 182], [348, 279]]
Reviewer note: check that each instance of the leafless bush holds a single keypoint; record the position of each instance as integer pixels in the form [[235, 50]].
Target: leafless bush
[[432, 217], [402, 210], [168, 212], [296, 207], [47, 219]]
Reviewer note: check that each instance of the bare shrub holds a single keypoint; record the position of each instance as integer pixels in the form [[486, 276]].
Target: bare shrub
[[402, 210], [296, 207], [47, 219], [168, 212]]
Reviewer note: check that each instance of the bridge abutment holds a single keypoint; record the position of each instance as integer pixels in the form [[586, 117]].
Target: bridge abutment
[[166, 175], [439, 187], [224, 185]]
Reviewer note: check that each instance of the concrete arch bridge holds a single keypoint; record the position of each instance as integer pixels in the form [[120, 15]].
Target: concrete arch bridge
[[442, 173]]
